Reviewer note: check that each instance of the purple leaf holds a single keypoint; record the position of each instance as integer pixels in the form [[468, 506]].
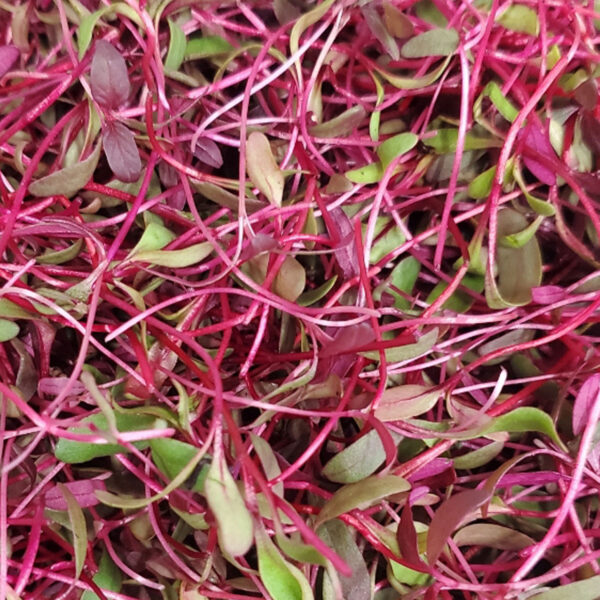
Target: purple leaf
[[536, 144], [590, 128], [583, 403], [8, 57], [449, 516], [407, 538], [208, 152], [345, 250], [122, 153], [547, 294], [109, 78], [84, 492]]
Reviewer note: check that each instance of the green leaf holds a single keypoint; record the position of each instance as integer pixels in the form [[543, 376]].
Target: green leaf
[[68, 181], [520, 18], [445, 140], [72, 451], [386, 243], [481, 186], [172, 456], [206, 47], [459, 301], [403, 277], [479, 457], [578, 590], [59, 257], [357, 461], [368, 174], [263, 170], [8, 330], [361, 495], [176, 259], [396, 146], [304, 22], [523, 419], [342, 125], [155, 237], [268, 461], [107, 578], [400, 353], [312, 296], [430, 13], [520, 238], [282, 579], [526, 261], [503, 105], [541, 207], [78, 528], [413, 83], [234, 523], [86, 27], [177, 47], [12, 310], [300, 552], [406, 401], [435, 42]]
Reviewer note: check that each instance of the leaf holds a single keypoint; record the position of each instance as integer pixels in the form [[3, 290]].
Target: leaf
[[435, 42], [403, 277], [338, 536], [406, 401], [290, 280], [86, 27], [449, 516], [83, 491], [58, 257], [282, 579], [536, 142], [263, 170], [285, 11], [368, 174], [578, 590], [479, 457], [177, 47], [176, 259], [361, 495], [356, 461], [172, 456], [122, 152], [311, 296], [526, 261], [401, 353], [526, 418], [268, 461], [8, 57], [78, 528], [586, 398], [386, 243], [341, 126], [72, 451], [206, 47], [503, 105], [155, 237], [430, 13], [481, 186], [413, 83], [379, 30], [445, 141], [300, 552], [208, 152], [68, 181], [460, 301], [107, 578], [109, 78], [396, 22], [234, 523], [520, 18], [396, 146], [8, 330], [304, 22], [492, 536]]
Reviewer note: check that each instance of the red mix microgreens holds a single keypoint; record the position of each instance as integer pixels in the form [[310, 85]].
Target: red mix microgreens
[[299, 299]]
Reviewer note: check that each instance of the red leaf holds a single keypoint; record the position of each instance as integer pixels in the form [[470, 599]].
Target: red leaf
[[208, 152], [122, 153], [583, 403], [109, 78], [84, 492], [536, 144], [449, 516], [407, 538], [8, 57]]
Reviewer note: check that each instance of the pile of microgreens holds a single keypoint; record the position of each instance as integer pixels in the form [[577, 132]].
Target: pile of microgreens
[[299, 299]]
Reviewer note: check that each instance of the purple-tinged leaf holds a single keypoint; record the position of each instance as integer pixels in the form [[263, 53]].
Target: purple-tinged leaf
[[590, 129], [84, 492], [109, 77], [492, 536], [587, 94], [406, 535], [449, 516], [8, 57], [547, 294], [586, 398], [208, 152], [345, 250], [263, 170], [122, 152], [537, 143]]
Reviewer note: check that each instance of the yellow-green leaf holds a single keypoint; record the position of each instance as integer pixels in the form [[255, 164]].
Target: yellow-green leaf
[[263, 170], [520, 18], [435, 42], [8, 330], [177, 46], [78, 528], [176, 259], [400, 353], [406, 401]]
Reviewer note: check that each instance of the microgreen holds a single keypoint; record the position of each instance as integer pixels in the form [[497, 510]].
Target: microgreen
[[299, 299]]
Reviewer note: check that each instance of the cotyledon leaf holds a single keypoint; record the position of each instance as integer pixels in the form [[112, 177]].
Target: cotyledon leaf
[[78, 528]]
